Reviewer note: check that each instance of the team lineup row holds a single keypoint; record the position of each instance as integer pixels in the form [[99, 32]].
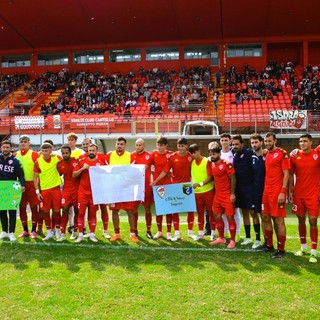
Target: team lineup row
[[256, 180]]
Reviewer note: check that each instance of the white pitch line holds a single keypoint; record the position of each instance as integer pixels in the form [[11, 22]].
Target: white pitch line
[[127, 247]]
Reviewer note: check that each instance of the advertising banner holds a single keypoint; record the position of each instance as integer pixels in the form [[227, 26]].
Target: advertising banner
[[288, 119]]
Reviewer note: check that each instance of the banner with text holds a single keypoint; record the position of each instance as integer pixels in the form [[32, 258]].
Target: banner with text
[[174, 198], [95, 120], [29, 122], [114, 184], [11, 194], [288, 119]]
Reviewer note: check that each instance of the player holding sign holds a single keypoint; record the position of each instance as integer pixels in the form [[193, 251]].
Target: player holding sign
[[10, 169]]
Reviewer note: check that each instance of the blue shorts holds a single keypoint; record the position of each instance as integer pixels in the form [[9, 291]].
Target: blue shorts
[[245, 196]]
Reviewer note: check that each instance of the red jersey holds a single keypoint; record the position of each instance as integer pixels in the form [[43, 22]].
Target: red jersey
[[84, 184], [306, 167], [100, 156], [181, 167], [318, 149], [70, 184], [143, 158], [276, 162], [221, 173], [159, 162]]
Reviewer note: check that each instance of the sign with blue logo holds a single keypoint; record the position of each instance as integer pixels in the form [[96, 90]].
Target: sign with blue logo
[[174, 198]]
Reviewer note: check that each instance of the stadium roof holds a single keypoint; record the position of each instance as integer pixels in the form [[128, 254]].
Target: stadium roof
[[37, 24]]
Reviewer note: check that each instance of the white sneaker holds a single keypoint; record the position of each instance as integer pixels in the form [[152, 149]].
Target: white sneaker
[[12, 237], [87, 235], [176, 237], [57, 234], [158, 235], [79, 239], [73, 236], [245, 241], [199, 238], [256, 244], [191, 235], [169, 236], [61, 238], [106, 235], [48, 236], [3, 235], [93, 237]]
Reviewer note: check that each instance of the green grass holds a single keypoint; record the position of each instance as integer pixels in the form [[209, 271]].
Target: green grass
[[155, 280]]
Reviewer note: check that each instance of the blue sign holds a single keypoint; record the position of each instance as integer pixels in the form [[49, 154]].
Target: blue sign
[[174, 198]]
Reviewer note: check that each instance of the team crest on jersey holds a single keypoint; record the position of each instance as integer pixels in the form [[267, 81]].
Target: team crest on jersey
[[168, 156], [315, 156], [161, 191], [220, 167], [189, 159], [74, 164], [10, 161], [147, 157], [275, 155], [187, 189]]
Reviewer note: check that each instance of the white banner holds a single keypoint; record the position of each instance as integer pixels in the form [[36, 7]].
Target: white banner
[[113, 184], [288, 119], [29, 122]]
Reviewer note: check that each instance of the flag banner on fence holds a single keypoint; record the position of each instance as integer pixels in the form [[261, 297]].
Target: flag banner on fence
[[97, 121], [174, 198], [11, 194], [29, 122], [114, 184], [288, 119]]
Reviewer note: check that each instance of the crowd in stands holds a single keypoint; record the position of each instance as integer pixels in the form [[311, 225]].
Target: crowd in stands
[[249, 84], [94, 93], [192, 86], [252, 85], [306, 92], [11, 82]]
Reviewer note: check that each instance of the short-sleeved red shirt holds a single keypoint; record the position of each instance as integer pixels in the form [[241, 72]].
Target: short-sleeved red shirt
[[70, 184], [276, 162], [143, 158], [159, 162], [84, 184], [221, 173], [181, 167], [306, 167]]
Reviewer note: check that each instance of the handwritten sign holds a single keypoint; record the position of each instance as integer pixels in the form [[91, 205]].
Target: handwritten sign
[[10, 194]]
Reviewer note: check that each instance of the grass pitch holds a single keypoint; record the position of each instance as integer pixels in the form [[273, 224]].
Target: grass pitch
[[155, 280]]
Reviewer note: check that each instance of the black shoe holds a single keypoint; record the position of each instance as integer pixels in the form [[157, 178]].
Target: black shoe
[[278, 254], [40, 233], [149, 235], [136, 233], [262, 247], [70, 229], [269, 249]]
